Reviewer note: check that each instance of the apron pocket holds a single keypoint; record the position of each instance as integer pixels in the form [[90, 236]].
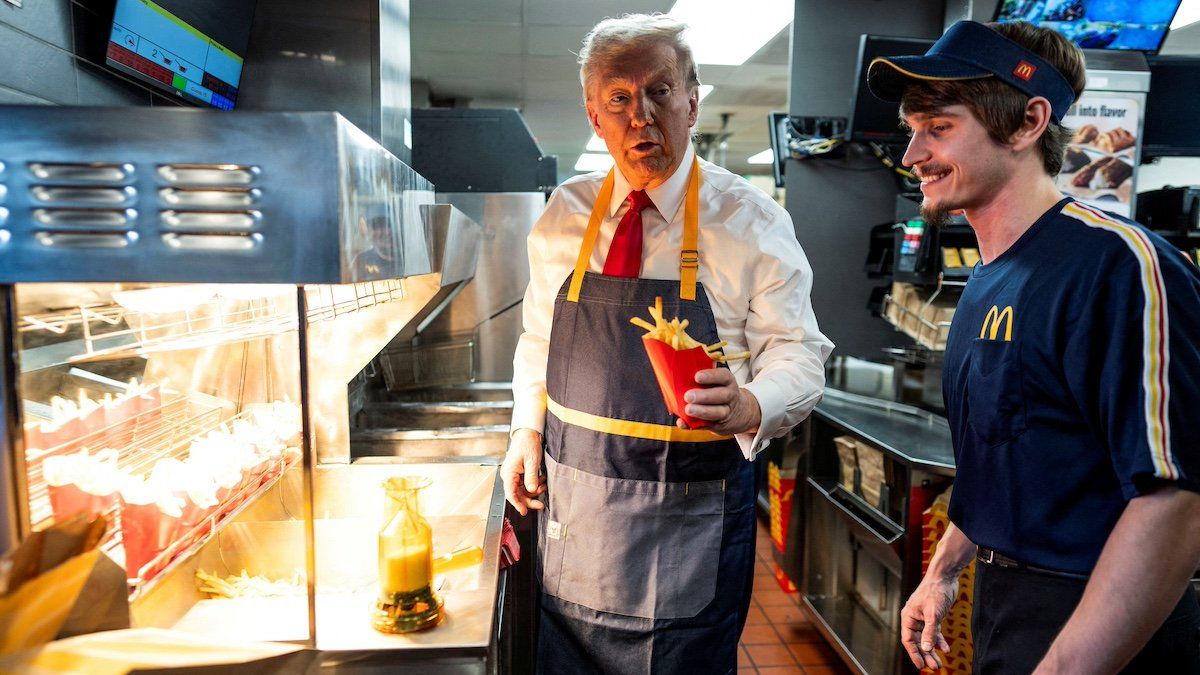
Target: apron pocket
[[632, 547]]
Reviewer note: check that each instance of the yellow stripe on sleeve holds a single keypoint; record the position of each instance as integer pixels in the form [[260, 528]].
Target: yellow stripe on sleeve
[[1155, 335]]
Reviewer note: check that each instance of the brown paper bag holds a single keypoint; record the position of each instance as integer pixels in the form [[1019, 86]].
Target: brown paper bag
[[35, 612], [102, 604], [60, 584], [86, 594]]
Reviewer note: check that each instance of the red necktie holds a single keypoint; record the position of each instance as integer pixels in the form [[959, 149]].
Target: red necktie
[[625, 252]]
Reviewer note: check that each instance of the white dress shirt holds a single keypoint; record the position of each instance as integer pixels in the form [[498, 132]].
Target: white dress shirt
[[752, 268]]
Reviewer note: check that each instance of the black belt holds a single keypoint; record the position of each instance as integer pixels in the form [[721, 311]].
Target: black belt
[[989, 557]]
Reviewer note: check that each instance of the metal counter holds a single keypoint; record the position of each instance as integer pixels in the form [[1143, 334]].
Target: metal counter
[[856, 556], [916, 437], [464, 506]]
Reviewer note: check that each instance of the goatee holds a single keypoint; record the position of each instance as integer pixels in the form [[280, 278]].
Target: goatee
[[935, 216]]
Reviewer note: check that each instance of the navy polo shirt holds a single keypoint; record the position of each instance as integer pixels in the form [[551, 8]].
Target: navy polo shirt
[[1072, 385]]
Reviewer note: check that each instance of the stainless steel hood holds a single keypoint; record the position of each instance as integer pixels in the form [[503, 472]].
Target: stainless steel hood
[[174, 195], [454, 241]]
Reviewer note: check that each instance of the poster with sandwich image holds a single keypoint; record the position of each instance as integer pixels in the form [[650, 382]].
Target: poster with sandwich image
[[1101, 156]]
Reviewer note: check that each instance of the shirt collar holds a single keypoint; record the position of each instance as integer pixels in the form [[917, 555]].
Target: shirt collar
[[667, 197]]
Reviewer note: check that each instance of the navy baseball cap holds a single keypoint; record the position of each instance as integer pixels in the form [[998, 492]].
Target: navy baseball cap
[[972, 51]]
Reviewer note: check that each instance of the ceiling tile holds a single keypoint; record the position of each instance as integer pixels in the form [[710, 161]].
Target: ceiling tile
[[467, 10], [466, 37], [448, 87], [553, 69], [777, 51], [563, 41], [429, 65], [1186, 40], [552, 90], [566, 115], [771, 96]]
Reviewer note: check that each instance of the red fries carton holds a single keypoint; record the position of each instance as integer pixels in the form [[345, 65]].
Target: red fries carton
[[676, 358], [675, 370]]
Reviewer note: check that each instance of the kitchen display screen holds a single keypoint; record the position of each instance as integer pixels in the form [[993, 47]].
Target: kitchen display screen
[[1171, 125], [871, 118], [192, 48], [1098, 24]]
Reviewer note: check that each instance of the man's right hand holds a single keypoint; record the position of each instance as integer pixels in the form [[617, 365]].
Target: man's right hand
[[921, 620], [522, 471]]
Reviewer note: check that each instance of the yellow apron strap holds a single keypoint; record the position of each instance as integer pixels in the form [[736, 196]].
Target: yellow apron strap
[[589, 237], [689, 254], [646, 430]]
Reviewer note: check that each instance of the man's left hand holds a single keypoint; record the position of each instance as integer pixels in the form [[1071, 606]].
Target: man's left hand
[[731, 409]]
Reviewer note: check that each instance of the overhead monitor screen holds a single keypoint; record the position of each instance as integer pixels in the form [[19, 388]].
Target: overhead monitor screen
[[1171, 128], [872, 119], [191, 48], [1098, 24]]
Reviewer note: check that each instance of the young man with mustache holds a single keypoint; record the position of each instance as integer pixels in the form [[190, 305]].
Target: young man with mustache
[[646, 527], [1071, 380]]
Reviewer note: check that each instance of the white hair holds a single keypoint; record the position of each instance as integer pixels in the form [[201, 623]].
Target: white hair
[[612, 37]]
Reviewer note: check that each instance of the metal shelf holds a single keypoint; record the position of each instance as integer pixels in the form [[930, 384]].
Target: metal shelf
[[861, 515], [194, 539], [854, 632], [220, 315], [928, 334], [141, 441]]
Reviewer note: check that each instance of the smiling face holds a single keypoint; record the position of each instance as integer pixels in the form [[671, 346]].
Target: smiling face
[[640, 103], [960, 165]]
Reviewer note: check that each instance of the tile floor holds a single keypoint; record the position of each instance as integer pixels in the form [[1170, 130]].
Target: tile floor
[[779, 635]]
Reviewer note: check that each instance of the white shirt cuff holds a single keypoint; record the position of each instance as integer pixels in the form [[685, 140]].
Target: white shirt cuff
[[528, 414], [771, 402]]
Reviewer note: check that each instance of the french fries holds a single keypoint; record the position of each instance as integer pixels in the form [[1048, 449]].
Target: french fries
[[674, 333], [246, 586]]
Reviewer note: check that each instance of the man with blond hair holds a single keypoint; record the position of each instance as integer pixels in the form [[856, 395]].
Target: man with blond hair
[[1070, 380], [646, 526]]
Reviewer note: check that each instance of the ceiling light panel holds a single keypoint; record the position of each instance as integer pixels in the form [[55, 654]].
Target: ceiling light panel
[[764, 157], [721, 36], [1188, 14], [594, 161]]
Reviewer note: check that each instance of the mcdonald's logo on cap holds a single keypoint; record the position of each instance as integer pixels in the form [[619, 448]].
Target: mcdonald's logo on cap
[[991, 323], [1025, 70]]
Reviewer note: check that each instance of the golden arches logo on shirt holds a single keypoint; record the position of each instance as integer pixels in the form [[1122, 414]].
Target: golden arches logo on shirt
[[996, 318]]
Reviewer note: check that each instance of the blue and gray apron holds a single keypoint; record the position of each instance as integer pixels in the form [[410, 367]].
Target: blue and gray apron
[[646, 544]]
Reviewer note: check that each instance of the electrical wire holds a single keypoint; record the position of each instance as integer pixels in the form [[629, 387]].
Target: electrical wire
[[882, 155], [802, 147]]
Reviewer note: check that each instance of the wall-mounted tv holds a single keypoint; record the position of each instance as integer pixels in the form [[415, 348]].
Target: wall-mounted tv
[[873, 119], [193, 49], [1098, 24], [1171, 129]]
